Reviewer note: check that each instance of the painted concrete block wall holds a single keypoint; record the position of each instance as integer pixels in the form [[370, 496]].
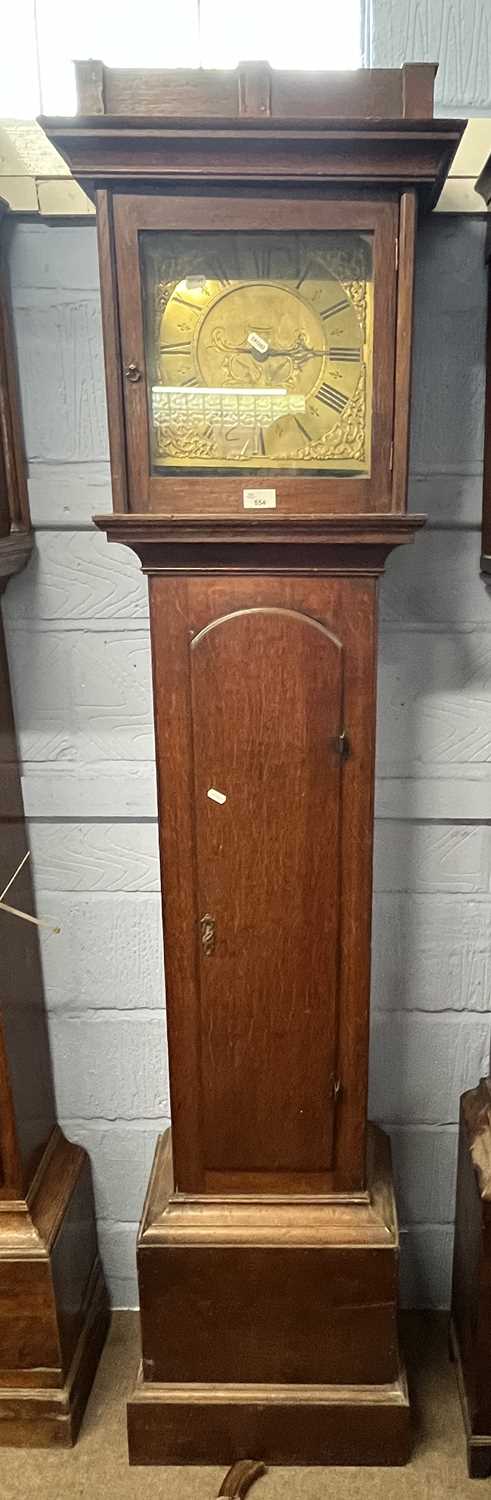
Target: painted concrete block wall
[[456, 33], [77, 631]]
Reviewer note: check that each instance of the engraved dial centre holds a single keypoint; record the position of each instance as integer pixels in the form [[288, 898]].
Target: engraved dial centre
[[261, 334]]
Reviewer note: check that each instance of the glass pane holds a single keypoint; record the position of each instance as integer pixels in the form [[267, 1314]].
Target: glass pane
[[259, 350]]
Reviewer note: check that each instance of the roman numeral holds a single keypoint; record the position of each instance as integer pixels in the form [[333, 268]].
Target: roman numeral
[[330, 312], [343, 352], [307, 435], [332, 398], [217, 273], [175, 348], [304, 275], [184, 303], [262, 262]]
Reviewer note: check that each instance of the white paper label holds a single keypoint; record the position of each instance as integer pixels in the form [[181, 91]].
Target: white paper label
[[216, 796], [259, 499]]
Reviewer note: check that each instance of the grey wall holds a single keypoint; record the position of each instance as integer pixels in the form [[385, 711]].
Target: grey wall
[[454, 33], [77, 635]]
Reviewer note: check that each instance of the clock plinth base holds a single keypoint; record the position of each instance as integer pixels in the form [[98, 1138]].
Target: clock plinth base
[[269, 1326], [281, 1424], [54, 1311], [478, 1443]]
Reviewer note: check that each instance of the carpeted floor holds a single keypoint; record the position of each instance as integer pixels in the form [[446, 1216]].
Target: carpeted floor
[[97, 1469]]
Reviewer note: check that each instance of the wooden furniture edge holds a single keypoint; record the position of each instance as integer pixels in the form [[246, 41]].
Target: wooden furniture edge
[[351, 1220], [478, 1444], [154, 528], [252, 81], [196, 545], [408, 210], [29, 1226], [44, 1417], [476, 1115], [115, 125], [112, 347], [15, 551], [54, 1187], [483, 183], [113, 149], [394, 1393], [294, 1424], [16, 542]]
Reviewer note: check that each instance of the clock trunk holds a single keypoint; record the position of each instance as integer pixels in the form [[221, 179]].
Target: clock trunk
[[270, 746]]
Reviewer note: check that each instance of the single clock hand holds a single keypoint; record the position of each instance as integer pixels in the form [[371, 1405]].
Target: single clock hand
[[261, 350]]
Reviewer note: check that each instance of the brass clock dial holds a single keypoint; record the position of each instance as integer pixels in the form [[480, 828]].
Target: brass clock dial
[[259, 349]]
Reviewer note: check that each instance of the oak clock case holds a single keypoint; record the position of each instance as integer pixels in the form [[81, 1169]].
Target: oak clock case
[[470, 1319], [256, 236]]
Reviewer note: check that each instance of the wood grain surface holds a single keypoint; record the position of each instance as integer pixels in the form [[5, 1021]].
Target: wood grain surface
[[222, 494], [269, 1322], [257, 704], [254, 90], [267, 706], [246, 692], [270, 1289]]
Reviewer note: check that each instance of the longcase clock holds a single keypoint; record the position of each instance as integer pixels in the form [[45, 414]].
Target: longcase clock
[[256, 235], [53, 1303], [470, 1322]]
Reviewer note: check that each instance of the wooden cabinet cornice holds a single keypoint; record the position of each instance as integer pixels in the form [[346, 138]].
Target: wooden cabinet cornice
[[256, 238], [53, 1303], [370, 130]]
